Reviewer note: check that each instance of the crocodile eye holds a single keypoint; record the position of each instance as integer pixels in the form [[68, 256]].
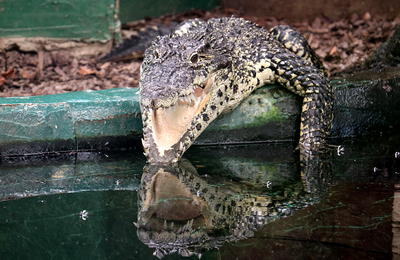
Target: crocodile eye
[[194, 58]]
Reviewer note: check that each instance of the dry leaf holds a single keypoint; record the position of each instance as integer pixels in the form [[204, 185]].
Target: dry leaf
[[333, 50], [28, 75], [367, 16], [39, 68], [60, 72], [105, 65], [101, 73], [85, 71], [2, 80], [9, 74]]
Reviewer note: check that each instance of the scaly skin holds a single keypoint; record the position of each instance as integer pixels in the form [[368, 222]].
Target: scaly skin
[[183, 212], [135, 46], [205, 69]]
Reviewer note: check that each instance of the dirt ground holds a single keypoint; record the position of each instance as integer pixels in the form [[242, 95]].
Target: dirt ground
[[340, 44]]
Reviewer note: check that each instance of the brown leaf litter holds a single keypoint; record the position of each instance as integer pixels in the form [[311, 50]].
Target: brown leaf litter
[[340, 44]]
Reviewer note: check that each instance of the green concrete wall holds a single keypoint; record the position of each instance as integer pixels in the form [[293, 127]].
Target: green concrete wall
[[87, 20], [137, 10], [69, 122]]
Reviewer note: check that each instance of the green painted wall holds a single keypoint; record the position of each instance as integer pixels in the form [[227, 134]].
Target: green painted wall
[[87, 20], [90, 20], [132, 10]]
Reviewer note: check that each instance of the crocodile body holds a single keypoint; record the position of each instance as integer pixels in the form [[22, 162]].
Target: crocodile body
[[205, 69], [135, 46]]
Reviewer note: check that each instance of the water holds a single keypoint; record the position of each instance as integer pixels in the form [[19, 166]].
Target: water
[[251, 202]]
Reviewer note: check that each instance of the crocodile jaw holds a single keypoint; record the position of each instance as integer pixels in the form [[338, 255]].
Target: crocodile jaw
[[171, 123], [165, 198], [169, 131]]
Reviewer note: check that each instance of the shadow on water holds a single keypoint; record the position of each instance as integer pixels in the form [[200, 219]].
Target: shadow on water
[[233, 202]]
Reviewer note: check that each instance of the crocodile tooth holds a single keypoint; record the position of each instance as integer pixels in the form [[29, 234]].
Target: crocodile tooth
[[165, 225], [182, 99], [179, 230], [184, 228], [144, 143], [188, 225], [166, 110], [173, 108], [191, 224], [192, 97], [171, 227], [180, 146]]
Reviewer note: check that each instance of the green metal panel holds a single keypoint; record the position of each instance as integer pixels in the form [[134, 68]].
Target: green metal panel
[[88, 19], [132, 10]]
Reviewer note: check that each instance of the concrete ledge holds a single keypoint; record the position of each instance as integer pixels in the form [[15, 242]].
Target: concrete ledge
[[366, 104], [77, 48], [66, 122]]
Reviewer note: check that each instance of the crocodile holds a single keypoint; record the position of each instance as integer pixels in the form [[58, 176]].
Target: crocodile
[[206, 68], [181, 211]]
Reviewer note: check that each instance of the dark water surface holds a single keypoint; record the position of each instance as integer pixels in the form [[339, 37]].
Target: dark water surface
[[223, 202]]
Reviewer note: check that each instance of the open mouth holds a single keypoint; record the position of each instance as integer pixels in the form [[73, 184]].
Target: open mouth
[[169, 124], [170, 206]]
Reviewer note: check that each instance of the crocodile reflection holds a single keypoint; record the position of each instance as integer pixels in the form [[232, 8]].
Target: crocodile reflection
[[185, 213]]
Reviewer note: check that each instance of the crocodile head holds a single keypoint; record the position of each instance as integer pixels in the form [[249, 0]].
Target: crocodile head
[[171, 218], [183, 81]]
